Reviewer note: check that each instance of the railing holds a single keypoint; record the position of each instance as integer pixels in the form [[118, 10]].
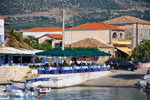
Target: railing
[[75, 69]]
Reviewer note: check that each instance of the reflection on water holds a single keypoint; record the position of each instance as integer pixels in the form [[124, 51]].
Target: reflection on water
[[96, 93]]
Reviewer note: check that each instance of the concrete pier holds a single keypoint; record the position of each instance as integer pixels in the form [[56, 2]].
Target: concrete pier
[[118, 78], [67, 80]]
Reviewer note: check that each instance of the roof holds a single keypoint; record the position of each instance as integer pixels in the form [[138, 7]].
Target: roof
[[55, 36], [93, 26], [48, 39], [11, 50], [2, 17], [126, 20], [44, 29], [89, 42], [6, 23]]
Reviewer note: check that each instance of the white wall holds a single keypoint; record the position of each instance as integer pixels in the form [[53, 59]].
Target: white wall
[[2, 29], [74, 36], [39, 34]]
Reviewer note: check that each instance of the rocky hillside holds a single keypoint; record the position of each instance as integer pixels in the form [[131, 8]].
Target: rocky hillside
[[24, 14]]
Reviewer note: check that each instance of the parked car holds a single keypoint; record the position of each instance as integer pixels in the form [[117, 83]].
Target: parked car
[[136, 62], [112, 62], [127, 65]]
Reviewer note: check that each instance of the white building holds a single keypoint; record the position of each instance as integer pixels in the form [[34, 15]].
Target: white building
[[40, 31], [1, 30], [54, 39]]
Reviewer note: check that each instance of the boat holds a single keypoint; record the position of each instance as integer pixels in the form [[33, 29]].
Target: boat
[[13, 91], [147, 87], [5, 96], [44, 90], [147, 77], [141, 83]]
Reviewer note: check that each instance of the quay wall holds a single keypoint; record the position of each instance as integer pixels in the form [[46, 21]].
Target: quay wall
[[65, 80], [16, 73]]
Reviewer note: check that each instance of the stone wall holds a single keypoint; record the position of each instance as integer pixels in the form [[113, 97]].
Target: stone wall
[[13, 73]]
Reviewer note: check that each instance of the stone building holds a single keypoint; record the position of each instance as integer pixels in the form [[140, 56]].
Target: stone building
[[135, 29]]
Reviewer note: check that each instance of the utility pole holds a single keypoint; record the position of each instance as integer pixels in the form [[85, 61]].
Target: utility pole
[[63, 26]]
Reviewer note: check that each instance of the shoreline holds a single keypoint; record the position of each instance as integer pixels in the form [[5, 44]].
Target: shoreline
[[119, 78], [116, 78]]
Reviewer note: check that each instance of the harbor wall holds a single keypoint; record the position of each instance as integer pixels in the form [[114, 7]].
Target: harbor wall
[[16, 73], [65, 80]]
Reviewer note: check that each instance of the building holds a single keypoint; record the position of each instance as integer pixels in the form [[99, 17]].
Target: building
[[93, 43], [54, 39], [2, 31], [40, 31], [102, 31], [135, 28]]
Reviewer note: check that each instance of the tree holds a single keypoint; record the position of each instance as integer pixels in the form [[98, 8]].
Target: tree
[[142, 51], [44, 46], [33, 42], [15, 39]]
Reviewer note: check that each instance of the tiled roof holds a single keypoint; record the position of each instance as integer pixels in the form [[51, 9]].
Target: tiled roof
[[48, 39], [126, 20], [44, 29], [6, 23], [89, 42], [93, 26], [55, 36], [2, 17]]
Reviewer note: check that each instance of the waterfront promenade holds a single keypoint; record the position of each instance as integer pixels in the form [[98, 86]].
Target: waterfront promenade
[[118, 78]]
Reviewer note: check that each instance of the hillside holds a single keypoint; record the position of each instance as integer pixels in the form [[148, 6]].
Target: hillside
[[13, 40], [24, 14]]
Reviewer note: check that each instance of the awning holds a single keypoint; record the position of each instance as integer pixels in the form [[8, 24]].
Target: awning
[[125, 50], [81, 52]]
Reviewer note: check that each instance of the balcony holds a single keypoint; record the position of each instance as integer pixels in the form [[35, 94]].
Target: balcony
[[121, 42]]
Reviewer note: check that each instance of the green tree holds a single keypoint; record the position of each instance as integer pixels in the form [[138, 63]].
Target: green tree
[[142, 51], [17, 35], [44, 46], [33, 42]]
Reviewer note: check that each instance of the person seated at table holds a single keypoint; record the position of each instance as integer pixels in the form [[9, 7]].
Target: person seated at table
[[72, 64], [65, 63], [54, 65], [75, 62], [60, 64]]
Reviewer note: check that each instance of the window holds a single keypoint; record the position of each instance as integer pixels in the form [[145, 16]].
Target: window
[[114, 35]]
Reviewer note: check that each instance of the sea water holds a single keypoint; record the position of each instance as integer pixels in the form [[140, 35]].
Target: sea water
[[96, 93]]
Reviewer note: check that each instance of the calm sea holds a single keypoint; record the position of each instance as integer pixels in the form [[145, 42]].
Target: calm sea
[[96, 93]]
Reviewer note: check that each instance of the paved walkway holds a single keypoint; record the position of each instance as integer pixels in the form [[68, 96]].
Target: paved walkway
[[118, 78]]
